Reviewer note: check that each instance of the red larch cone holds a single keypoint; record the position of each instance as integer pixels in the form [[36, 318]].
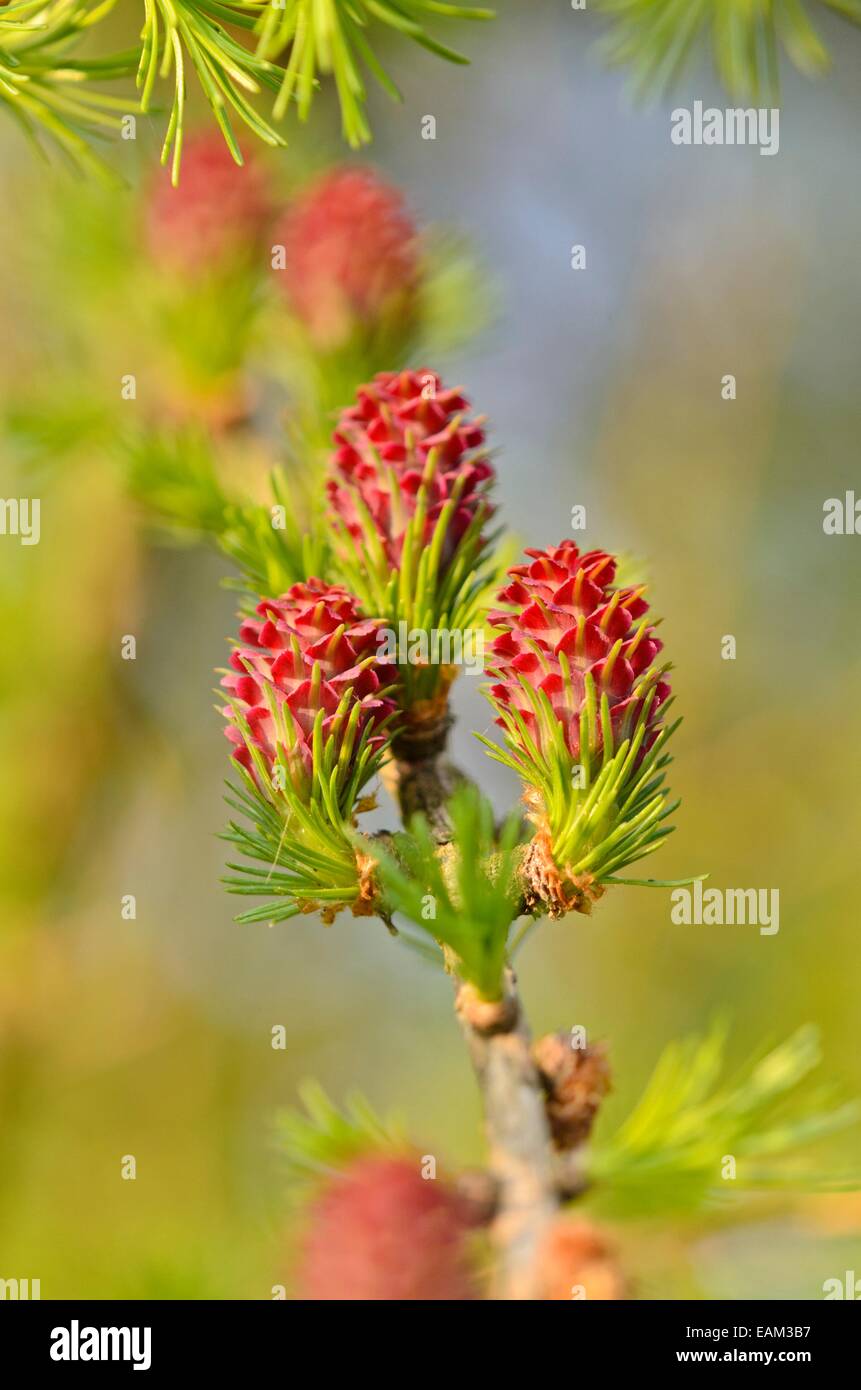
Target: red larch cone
[[380, 1231], [351, 257], [563, 619], [215, 218], [406, 429], [307, 649]]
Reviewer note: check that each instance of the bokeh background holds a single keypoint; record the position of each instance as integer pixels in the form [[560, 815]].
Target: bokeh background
[[152, 1037]]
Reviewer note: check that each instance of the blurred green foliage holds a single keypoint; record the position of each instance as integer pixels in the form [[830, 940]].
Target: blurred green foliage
[[152, 1036], [244, 54], [693, 1124], [656, 39]]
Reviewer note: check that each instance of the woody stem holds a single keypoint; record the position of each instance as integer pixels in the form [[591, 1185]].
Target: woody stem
[[518, 1134], [498, 1039]]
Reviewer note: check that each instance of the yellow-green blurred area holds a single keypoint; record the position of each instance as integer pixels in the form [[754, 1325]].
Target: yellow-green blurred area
[[152, 1037]]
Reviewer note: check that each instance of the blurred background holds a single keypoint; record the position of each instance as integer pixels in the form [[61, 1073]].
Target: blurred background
[[152, 1037]]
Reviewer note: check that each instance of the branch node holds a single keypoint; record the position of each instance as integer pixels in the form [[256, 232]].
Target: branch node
[[575, 1081], [546, 889], [487, 1017]]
